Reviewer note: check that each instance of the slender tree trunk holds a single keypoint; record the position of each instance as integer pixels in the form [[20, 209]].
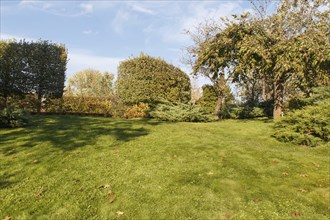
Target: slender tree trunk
[[39, 102], [278, 98], [220, 85], [218, 105], [264, 94]]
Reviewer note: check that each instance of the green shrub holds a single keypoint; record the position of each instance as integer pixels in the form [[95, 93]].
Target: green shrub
[[234, 111], [231, 111], [180, 112], [309, 125], [11, 117], [137, 111]]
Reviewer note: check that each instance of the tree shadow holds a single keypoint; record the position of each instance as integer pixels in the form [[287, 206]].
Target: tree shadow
[[72, 132], [4, 181]]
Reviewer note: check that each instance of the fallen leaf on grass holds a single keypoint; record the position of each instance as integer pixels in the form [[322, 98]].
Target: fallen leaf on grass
[[7, 218], [285, 174], [302, 190], [256, 200], [112, 199], [296, 214], [40, 192], [110, 193], [315, 164], [119, 213], [104, 186], [275, 161], [303, 175]]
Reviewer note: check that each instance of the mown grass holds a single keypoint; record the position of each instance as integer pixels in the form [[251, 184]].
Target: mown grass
[[66, 167]]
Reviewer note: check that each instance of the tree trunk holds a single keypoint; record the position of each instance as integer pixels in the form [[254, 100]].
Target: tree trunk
[[278, 98], [218, 105], [220, 86], [263, 94], [39, 102]]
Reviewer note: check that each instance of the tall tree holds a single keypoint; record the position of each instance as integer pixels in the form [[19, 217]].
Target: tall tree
[[287, 49], [148, 79], [47, 66], [13, 75], [214, 54], [32, 67], [90, 83]]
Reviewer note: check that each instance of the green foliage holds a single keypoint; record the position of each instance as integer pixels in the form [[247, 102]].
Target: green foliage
[[90, 83], [317, 94], [209, 99], [308, 125], [148, 79], [137, 111], [12, 117], [180, 112], [235, 111], [89, 105], [13, 81], [287, 49], [32, 68]]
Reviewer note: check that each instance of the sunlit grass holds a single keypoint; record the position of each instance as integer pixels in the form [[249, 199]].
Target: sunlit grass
[[66, 167]]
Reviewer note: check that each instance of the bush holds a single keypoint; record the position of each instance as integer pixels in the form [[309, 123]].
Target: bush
[[75, 104], [180, 112], [241, 112], [309, 125], [11, 117], [137, 111]]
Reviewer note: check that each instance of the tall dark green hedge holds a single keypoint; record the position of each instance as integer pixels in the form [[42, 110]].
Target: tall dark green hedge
[[151, 80], [32, 68]]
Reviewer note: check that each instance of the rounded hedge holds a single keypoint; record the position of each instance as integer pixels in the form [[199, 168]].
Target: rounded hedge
[[151, 80]]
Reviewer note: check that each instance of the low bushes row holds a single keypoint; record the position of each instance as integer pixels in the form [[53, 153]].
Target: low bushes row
[[180, 112]]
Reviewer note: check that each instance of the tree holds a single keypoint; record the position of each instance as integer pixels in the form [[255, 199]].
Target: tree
[[148, 79], [47, 66], [209, 99], [32, 67], [214, 54], [13, 77], [90, 83], [288, 50]]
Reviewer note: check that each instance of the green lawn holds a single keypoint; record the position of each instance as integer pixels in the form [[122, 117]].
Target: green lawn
[[66, 167]]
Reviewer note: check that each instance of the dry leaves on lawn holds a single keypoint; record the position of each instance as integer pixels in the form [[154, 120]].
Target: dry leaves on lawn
[[119, 213]]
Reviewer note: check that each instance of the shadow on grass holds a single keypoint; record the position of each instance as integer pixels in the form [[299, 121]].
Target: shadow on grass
[[71, 132], [4, 181]]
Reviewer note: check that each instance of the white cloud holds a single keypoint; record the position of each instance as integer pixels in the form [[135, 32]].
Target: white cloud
[[59, 8], [80, 60], [87, 7], [196, 13], [120, 20], [141, 9], [90, 32]]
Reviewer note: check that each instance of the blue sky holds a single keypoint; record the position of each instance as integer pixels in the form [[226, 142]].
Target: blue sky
[[100, 34]]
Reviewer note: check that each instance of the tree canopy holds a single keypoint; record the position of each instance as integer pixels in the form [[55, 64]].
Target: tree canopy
[[148, 79], [32, 67], [90, 83], [288, 50]]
